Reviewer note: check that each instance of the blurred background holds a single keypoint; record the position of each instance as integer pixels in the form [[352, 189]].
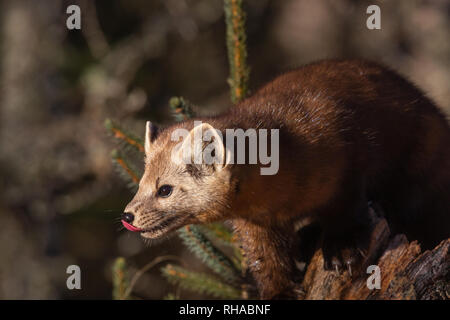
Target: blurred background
[[60, 198]]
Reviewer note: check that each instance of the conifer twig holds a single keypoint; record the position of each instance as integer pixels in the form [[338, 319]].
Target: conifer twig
[[237, 50], [239, 72], [218, 231], [199, 282], [203, 248], [121, 134], [182, 109], [125, 169], [120, 281], [145, 268]]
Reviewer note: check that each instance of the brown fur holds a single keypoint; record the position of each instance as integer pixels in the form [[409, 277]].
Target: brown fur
[[350, 131]]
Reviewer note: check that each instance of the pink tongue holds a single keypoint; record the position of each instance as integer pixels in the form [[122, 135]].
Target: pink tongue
[[130, 227]]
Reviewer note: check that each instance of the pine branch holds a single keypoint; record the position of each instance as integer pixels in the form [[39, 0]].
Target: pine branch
[[237, 51], [119, 133], [144, 269], [125, 169], [120, 279], [181, 108], [239, 72], [199, 282], [218, 231], [203, 248]]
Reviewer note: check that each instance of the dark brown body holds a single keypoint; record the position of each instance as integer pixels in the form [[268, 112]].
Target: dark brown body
[[350, 132]]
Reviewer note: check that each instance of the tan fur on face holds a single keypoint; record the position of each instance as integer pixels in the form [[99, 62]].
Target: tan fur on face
[[194, 196]]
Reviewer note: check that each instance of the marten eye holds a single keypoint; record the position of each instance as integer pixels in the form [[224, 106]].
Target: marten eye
[[165, 191]]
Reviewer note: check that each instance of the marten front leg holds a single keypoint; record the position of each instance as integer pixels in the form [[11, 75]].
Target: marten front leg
[[269, 255], [347, 228]]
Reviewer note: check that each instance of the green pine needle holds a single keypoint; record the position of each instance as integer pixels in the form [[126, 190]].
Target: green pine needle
[[120, 279], [203, 248], [199, 282], [218, 231], [127, 138], [125, 169]]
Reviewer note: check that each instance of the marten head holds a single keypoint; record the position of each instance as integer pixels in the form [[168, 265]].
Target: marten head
[[175, 189]]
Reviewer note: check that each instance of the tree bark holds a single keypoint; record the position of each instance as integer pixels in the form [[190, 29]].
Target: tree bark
[[405, 271]]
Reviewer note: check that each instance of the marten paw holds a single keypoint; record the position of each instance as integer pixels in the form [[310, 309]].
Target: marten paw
[[342, 253]]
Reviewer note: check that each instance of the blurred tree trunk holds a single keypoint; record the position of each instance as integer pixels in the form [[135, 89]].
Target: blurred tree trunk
[[25, 64]]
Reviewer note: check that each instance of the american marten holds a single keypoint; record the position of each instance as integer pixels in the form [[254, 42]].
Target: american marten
[[350, 132]]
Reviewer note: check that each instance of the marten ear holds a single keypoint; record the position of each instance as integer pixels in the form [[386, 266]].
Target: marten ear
[[150, 135], [203, 147]]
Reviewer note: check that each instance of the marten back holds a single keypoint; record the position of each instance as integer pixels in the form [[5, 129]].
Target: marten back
[[387, 131]]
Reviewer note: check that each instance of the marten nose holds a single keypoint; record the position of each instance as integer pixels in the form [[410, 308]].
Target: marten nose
[[128, 217]]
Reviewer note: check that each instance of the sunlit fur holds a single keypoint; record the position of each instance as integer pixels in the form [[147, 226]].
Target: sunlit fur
[[350, 131]]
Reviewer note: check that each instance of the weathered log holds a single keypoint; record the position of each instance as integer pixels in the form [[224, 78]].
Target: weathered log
[[405, 271]]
